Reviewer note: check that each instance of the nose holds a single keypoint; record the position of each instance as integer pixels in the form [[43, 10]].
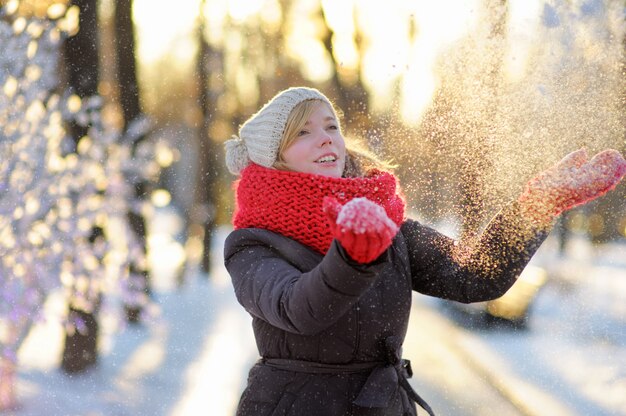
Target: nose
[[325, 138]]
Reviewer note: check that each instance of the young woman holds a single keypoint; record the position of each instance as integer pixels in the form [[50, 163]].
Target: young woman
[[325, 260]]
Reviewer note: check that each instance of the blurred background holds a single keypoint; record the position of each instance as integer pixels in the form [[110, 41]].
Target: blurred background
[[113, 114]]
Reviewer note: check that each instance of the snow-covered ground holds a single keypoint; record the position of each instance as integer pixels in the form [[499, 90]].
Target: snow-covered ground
[[576, 346], [189, 360], [571, 359], [192, 360]]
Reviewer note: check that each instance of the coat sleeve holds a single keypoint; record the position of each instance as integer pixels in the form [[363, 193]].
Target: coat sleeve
[[273, 289], [472, 271]]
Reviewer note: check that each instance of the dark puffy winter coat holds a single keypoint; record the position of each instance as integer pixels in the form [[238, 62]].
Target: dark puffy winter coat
[[329, 331]]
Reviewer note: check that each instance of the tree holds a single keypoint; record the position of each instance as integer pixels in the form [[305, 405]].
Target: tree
[[205, 192], [81, 62], [54, 189], [31, 192], [131, 110]]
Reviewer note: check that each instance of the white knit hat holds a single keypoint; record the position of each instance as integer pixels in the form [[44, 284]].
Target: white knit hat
[[260, 136]]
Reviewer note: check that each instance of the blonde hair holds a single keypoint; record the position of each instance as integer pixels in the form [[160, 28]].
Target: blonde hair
[[359, 159]]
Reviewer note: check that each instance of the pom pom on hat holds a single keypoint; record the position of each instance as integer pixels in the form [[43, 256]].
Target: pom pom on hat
[[260, 136], [236, 155]]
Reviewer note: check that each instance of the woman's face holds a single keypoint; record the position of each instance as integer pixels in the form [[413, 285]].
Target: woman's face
[[319, 147]]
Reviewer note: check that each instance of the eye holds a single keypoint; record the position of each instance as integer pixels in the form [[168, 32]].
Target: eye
[[302, 133], [333, 127]]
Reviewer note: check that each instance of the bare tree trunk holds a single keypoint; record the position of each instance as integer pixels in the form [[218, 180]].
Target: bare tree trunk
[[81, 61], [131, 110], [208, 165], [81, 58], [126, 63]]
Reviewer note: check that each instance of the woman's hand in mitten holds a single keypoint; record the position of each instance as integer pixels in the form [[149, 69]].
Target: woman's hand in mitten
[[571, 182], [362, 227]]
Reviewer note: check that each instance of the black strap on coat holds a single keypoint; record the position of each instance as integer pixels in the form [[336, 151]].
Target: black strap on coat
[[381, 384]]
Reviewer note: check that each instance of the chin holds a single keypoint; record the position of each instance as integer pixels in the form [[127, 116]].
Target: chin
[[332, 173]]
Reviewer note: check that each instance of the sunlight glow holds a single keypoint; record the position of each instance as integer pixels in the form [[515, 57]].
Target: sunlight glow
[[165, 156], [10, 86], [160, 198], [400, 42], [523, 20], [303, 43], [165, 256], [222, 389], [33, 353], [11, 6], [146, 359], [418, 86], [164, 28], [240, 10], [56, 10], [438, 25], [340, 18], [385, 57]]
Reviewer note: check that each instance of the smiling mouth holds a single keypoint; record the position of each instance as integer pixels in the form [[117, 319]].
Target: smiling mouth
[[326, 159]]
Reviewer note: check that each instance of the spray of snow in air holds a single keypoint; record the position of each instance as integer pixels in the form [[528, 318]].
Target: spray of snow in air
[[511, 102]]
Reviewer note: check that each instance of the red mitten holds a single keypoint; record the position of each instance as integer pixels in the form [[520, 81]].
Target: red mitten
[[572, 182], [362, 227]]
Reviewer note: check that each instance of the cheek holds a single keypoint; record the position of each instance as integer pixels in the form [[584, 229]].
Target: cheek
[[342, 147], [294, 153]]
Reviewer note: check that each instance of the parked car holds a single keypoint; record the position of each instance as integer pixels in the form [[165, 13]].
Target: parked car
[[513, 308]]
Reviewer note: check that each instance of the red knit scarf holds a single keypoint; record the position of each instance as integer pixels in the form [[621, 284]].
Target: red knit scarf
[[290, 203]]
